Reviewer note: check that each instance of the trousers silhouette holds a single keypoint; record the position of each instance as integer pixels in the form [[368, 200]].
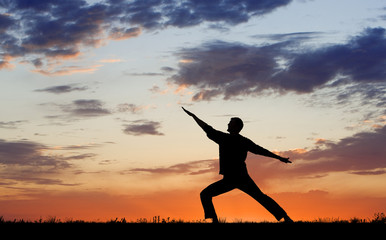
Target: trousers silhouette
[[245, 184]]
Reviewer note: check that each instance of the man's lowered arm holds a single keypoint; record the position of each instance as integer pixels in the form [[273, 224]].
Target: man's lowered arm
[[256, 149]]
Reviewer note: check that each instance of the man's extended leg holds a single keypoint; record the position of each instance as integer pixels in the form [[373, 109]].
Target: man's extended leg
[[249, 187], [211, 191]]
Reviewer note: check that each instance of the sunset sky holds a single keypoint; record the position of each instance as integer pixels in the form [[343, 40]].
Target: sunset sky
[[91, 125]]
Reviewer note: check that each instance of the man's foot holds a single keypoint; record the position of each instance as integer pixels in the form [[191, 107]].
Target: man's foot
[[287, 219], [214, 220]]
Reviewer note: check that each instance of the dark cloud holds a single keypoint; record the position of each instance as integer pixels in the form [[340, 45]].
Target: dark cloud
[[146, 74], [165, 71], [233, 69], [372, 172], [86, 108], [5, 22], [61, 89], [363, 151], [298, 36], [362, 59], [28, 153], [193, 12], [76, 110], [122, 33], [228, 69], [190, 168], [33, 162], [21, 177], [362, 154], [60, 29], [79, 147], [168, 69], [142, 127]]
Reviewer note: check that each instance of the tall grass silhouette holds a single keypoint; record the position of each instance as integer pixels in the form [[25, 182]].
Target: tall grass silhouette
[[378, 218]]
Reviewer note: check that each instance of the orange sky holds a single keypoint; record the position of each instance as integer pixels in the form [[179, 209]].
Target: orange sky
[[186, 205]]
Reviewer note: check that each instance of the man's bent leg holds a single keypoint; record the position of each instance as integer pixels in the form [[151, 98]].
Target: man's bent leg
[[250, 188], [211, 191]]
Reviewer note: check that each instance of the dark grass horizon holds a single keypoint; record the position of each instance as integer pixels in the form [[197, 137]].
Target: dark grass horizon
[[158, 227], [378, 218]]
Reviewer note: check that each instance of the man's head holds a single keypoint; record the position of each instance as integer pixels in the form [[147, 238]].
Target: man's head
[[235, 125]]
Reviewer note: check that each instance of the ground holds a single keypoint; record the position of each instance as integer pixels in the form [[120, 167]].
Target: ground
[[121, 230]]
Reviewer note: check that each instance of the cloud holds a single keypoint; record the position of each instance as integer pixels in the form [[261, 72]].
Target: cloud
[[232, 70], [61, 29], [190, 13], [61, 89], [77, 147], [110, 60], [12, 124], [189, 168], [133, 108], [28, 153], [146, 74], [122, 33], [5, 22], [33, 162], [372, 172], [361, 154], [142, 127], [361, 60], [23, 177], [227, 69], [298, 36], [86, 108], [67, 70], [363, 151]]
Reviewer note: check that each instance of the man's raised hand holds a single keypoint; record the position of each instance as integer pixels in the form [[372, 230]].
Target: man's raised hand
[[285, 160], [187, 112]]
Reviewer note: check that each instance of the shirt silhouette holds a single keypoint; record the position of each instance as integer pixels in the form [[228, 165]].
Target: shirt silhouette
[[233, 149]]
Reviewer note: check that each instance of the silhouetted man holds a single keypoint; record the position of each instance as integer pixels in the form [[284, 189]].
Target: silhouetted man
[[233, 150]]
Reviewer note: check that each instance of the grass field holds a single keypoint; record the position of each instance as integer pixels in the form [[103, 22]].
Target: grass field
[[158, 227], [378, 218]]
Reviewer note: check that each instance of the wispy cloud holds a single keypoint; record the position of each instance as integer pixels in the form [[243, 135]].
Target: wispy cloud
[[61, 89], [189, 168], [133, 108], [122, 33], [11, 124], [110, 60], [77, 110], [86, 108], [142, 127], [67, 70]]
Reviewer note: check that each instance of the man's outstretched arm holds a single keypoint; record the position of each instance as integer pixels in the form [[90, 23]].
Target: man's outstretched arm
[[256, 149], [200, 123]]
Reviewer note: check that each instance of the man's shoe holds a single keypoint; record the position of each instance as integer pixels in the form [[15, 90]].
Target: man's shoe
[[215, 220], [287, 219]]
